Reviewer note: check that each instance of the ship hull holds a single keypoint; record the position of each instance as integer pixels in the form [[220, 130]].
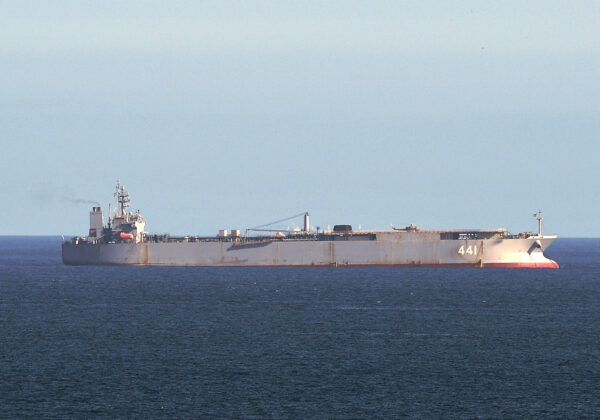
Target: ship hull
[[387, 249]]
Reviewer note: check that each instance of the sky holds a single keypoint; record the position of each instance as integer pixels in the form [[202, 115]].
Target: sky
[[222, 114]]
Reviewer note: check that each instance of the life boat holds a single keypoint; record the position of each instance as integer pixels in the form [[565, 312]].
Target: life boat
[[124, 235]]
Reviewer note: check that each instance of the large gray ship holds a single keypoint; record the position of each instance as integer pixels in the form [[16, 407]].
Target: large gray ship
[[124, 241]]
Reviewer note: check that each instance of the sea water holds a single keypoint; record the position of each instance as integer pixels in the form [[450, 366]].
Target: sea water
[[297, 342]]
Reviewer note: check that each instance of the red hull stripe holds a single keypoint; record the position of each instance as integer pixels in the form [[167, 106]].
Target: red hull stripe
[[550, 264]]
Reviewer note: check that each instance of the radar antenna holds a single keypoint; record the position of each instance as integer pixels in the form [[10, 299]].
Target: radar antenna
[[122, 197], [539, 218]]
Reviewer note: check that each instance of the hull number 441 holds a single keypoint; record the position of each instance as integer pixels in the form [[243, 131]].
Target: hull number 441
[[468, 250]]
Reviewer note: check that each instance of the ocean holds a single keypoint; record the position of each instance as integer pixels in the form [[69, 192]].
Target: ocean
[[175, 342]]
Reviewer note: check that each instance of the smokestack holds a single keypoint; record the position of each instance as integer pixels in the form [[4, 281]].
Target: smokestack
[[96, 222]]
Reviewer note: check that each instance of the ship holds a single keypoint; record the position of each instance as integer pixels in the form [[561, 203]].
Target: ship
[[123, 240]]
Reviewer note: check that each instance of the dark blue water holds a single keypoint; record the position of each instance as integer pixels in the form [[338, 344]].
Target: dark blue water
[[280, 343]]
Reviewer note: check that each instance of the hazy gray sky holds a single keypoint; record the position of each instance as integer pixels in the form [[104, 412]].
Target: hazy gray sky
[[232, 114]]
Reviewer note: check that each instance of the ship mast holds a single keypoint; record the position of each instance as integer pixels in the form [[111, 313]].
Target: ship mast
[[539, 218], [122, 198]]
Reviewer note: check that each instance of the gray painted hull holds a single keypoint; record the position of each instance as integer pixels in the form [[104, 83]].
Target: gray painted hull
[[389, 248]]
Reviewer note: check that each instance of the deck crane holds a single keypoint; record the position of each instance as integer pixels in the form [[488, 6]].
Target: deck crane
[[263, 228]]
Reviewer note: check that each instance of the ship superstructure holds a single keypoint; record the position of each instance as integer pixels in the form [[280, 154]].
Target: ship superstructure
[[125, 225], [123, 240]]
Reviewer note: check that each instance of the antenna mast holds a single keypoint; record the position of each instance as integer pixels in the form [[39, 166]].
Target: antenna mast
[[539, 218], [122, 197]]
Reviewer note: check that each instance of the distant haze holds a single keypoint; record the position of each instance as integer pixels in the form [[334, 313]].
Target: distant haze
[[233, 114]]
